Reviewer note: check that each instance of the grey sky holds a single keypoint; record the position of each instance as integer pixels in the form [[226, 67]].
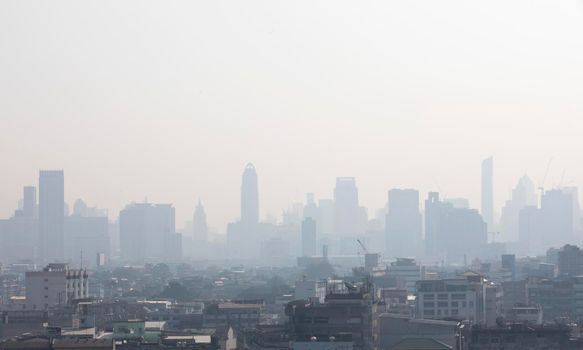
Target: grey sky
[[170, 99]]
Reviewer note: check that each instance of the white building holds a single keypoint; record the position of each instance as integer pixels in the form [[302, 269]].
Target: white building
[[469, 297], [306, 290], [407, 273], [55, 285]]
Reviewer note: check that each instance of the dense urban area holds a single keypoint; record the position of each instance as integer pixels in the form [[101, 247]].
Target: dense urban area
[[431, 275]]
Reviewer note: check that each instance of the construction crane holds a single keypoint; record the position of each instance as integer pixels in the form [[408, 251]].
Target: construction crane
[[542, 185], [363, 247]]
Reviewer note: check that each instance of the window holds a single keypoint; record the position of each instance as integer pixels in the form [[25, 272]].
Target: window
[[429, 296], [463, 304], [428, 312], [429, 304], [442, 296], [454, 304], [454, 312], [438, 312], [442, 304], [471, 304], [458, 296]]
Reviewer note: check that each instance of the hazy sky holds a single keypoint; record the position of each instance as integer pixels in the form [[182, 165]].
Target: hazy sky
[[170, 99]]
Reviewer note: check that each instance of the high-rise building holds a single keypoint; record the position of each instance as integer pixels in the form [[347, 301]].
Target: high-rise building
[[29, 206], [310, 209], [147, 232], [52, 214], [557, 218], [309, 237], [488, 192], [325, 216], [346, 208], [403, 223], [451, 233], [199, 225], [523, 195], [530, 230], [249, 196]]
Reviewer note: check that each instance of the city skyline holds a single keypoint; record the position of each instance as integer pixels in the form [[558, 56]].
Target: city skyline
[[404, 95]]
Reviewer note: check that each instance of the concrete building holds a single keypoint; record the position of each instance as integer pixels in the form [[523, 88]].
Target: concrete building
[[487, 210], [469, 297], [570, 261], [406, 272], [249, 196], [346, 208], [523, 195], [147, 233], [52, 215], [85, 237], [310, 290], [394, 328], [453, 234], [55, 285], [344, 315], [309, 238], [557, 218], [403, 224]]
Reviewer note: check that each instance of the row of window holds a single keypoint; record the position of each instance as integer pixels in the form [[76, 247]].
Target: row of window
[[454, 296], [445, 312], [431, 304]]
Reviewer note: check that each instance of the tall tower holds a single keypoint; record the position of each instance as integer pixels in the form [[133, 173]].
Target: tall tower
[[51, 214], [249, 196], [199, 226], [29, 202], [488, 192], [346, 207], [403, 223]]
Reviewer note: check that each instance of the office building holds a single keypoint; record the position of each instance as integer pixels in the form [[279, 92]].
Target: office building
[[52, 215], [570, 261], [557, 218], [346, 208], [249, 196], [55, 285], [147, 232], [488, 193], [199, 225], [523, 195], [406, 273], [403, 223], [85, 237], [453, 234], [309, 246]]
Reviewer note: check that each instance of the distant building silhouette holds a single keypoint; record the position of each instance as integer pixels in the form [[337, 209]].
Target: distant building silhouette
[[29, 205], [325, 216], [523, 195], [249, 196], [530, 230], [310, 209], [309, 246], [148, 233], [557, 216], [488, 192], [453, 234], [199, 225], [52, 215], [403, 223], [346, 209]]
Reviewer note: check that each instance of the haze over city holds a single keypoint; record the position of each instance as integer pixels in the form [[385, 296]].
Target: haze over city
[[170, 101]]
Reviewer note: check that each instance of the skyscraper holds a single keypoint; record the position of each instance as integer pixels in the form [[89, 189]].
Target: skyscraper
[[29, 202], [488, 192], [309, 237], [557, 216], [346, 209], [147, 233], [199, 225], [52, 214], [249, 196], [403, 223], [523, 195]]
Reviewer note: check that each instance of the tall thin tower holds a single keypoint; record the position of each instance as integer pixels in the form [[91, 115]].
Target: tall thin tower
[[488, 192], [249, 196]]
